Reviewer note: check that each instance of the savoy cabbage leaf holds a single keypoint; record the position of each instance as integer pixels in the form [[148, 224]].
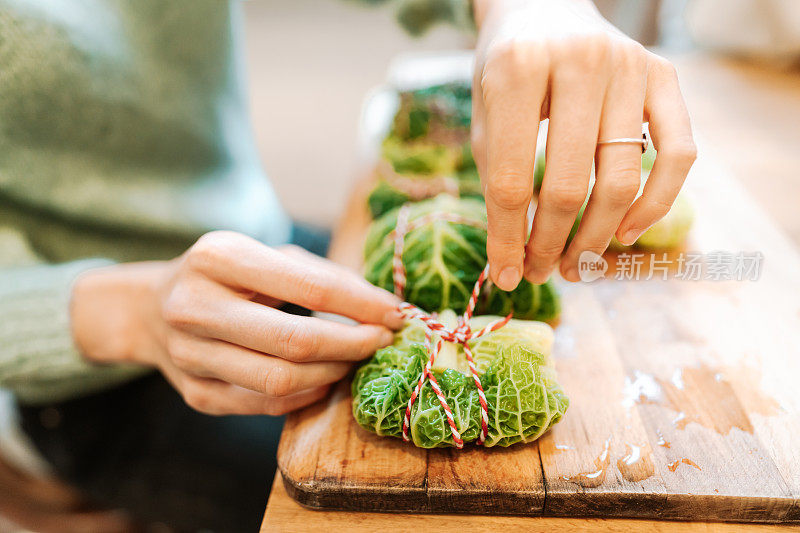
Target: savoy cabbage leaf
[[428, 140], [388, 194], [443, 260], [516, 372], [430, 131]]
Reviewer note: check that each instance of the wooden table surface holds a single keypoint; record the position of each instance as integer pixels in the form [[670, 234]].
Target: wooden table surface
[[748, 117]]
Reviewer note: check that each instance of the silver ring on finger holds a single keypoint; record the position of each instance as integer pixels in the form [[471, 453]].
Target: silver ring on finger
[[644, 141]]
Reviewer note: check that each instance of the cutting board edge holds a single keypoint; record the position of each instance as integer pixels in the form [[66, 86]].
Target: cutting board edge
[[325, 495], [318, 496], [666, 506], [322, 495]]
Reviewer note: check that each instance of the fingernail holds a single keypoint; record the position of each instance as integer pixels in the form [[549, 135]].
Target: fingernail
[[537, 276], [393, 319], [509, 278], [572, 274], [630, 237], [387, 338]]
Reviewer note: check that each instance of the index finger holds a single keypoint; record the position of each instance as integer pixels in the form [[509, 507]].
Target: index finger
[[267, 330], [315, 284], [514, 86]]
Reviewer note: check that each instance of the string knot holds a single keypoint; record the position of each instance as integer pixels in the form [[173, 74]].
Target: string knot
[[461, 334]]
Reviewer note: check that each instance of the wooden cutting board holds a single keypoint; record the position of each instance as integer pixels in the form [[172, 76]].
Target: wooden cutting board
[[685, 399]]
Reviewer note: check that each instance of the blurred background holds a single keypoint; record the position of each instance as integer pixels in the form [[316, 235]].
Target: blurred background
[[311, 63]]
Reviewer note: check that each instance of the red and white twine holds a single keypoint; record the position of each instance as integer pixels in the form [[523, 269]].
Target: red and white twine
[[461, 334], [419, 186]]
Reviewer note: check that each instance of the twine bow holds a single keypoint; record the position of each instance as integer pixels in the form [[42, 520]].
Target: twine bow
[[461, 334]]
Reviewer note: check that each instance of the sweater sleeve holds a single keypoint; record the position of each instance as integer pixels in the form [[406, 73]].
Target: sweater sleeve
[[417, 16], [39, 362]]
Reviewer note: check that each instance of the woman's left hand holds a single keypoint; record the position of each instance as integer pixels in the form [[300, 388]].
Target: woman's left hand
[[560, 59]]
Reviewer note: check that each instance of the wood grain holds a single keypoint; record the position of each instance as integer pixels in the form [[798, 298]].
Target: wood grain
[[684, 399], [285, 515]]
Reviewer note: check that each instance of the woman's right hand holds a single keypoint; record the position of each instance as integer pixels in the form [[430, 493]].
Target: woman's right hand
[[208, 320]]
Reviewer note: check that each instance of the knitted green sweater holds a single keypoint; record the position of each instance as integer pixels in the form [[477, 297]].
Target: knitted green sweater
[[123, 137]]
